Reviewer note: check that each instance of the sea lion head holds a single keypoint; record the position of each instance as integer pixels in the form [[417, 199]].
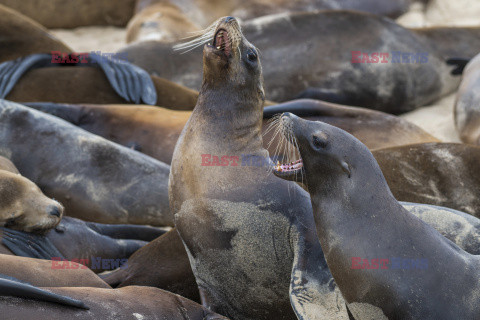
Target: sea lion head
[[24, 207], [329, 156], [229, 60]]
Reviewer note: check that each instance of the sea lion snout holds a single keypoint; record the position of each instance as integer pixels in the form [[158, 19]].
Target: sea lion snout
[[55, 211]]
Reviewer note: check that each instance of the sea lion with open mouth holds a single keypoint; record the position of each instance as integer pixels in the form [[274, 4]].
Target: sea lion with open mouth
[[357, 217], [245, 231]]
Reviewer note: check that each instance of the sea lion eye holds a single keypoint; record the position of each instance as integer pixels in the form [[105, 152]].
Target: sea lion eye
[[320, 141], [251, 55]]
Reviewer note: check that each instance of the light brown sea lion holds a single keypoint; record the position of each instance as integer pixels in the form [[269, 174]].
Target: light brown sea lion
[[154, 131], [21, 36], [40, 273], [443, 174], [120, 304], [23, 206], [72, 13], [388, 263], [467, 103], [91, 86], [160, 22], [93, 178]]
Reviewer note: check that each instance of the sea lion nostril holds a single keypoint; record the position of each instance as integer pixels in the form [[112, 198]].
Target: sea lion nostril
[[55, 211]]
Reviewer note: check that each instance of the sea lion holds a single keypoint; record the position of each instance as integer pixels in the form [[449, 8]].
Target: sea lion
[[467, 111], [23, 206], [304, 59], [124, 303], [108, 247], [442, 174], [251, 251], [95, 179], [155, 131], [458, 42], [21, 36], [353, 208], [163, 263], [160, 22], [40, 273], [72, 14], [91, 87], [129, 81]]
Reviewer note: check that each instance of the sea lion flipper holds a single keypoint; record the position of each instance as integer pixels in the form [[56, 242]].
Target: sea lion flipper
[[459, 63], [15, 288], [124, 77], [311, 299], [29, 245], [12, 71]]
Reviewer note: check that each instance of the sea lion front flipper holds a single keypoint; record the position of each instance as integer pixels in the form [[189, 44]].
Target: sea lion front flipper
[[12, 71], [29, 245], [313, 292], [10, 286], [459, 63], [129, 81]]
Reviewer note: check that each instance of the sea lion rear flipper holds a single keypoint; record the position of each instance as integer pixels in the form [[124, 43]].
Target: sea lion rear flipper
[[29, 245], [129, 81], [12, 71], [313, 292], [460, 64], [12, 287]]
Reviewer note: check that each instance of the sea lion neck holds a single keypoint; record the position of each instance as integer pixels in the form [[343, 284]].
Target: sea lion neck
[[230, 115]]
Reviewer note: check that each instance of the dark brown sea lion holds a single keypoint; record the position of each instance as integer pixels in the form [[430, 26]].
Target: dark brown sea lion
[[23, 206], [125, 303], [303, 58], [154, 131], [21, 36], [251, 250], [442, 174], [40, 273], [108, 246], [384, 259], [467, 109], [93, 178], [72, 13]]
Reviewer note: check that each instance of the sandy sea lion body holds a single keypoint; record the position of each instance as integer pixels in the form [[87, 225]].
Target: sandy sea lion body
[[467, 110], [358, 219], [442, 174], [304, 59], [93, 178]]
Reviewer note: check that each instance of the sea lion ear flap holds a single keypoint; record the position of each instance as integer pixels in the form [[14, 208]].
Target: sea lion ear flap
[[346, 168]]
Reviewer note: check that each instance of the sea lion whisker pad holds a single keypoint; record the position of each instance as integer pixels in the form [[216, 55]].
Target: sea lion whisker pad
[[358, 219]]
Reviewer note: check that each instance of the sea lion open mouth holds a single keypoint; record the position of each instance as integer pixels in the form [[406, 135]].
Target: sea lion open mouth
[[221, 42], [294, 167]]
